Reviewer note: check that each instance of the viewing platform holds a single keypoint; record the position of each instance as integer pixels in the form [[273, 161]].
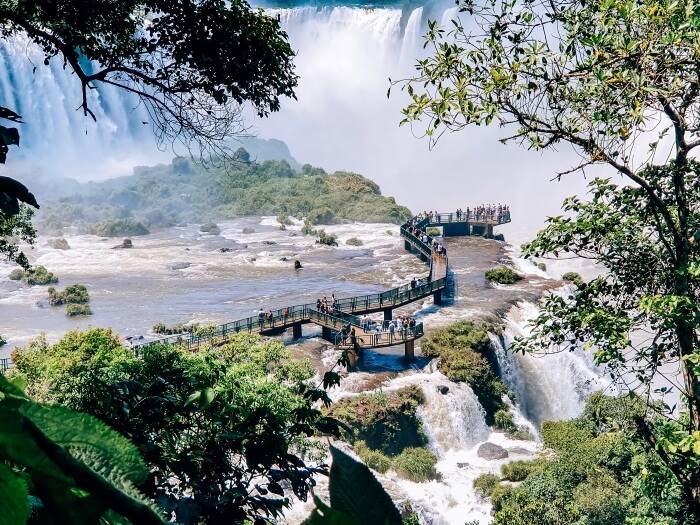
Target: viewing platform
[[339, 323]]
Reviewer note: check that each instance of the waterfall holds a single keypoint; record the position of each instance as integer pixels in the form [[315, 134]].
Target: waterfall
[[57, 135], [410, 45]]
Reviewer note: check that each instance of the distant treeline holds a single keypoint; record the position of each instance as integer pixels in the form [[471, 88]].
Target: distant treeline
[[184, 191]]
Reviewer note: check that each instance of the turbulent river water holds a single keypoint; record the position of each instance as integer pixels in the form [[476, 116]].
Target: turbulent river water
[[182, 275]]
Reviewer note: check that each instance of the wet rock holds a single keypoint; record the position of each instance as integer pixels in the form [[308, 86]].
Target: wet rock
[[225, 250], [491, 451], [283, 259], [443, 389], [126, 243], [181, 265], [59, 244], [269, 243], [519, 450], [293, 234], [463, 465], [297, 265], [210, 228]]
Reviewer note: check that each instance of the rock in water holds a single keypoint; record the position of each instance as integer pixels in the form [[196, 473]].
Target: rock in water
[[491, 451], [297, 265], [443, 389], [126, 243], [59, 244], [179, 265]]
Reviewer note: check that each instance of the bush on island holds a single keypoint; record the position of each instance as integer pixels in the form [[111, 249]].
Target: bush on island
[[416, 464], [117, 228], [503, 420], [354, 241], [284, 220], [385, 421], [210, 228], [372, 458], [38, 275], [503, 275], [327, 239], [521, 469], [73, 294], [573, 277], [73, 310], [433, 232]]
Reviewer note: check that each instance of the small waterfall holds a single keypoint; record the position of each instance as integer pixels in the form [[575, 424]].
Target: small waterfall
[[551, 386], [410, 47]]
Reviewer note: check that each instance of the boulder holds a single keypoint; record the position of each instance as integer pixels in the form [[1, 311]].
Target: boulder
[[269, 243], [297, 265], [179, 265], [283, 259], [59, 244], [443, 389], [126, 243], [491, 451]]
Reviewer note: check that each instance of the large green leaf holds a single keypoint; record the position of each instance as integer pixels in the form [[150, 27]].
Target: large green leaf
[[324, 515], [14, 498], [356, 493], [88, 439]]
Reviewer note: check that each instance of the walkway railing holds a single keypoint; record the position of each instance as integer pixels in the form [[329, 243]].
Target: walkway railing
[[481, 217]]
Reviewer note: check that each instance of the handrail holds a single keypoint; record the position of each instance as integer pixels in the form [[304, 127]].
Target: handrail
[[483, 217]]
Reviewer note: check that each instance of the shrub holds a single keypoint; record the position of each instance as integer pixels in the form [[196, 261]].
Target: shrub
[[385, 421], [573, 278], [247, 231], [503, 275], [73, 294], [118, 228], [204, 331], [521, 469], [503, 420], [38, 275], [542, 266], [354, 241], [284, 220], [433, 232], [372, 458], [210, 228], [308, 229], [73, 310], [178, 328], [416, 464], [484, 484], [327, 238]]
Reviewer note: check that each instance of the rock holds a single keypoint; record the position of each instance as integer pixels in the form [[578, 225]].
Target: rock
[[283, 259], [225, 250], [519, 450], [269, 243], [463, 465], [491, 451], [443, 389], [210, 228], [293, 234], [126, 243], [59, 244], [297, 265], [179, 265]]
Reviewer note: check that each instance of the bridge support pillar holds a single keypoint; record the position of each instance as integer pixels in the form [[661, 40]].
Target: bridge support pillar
[[437, 297], [407, 246], [423, 257], [455, 229], [489, 231], [388, 314], [296, 330], [327, 334], [409, 349], [353, 358]]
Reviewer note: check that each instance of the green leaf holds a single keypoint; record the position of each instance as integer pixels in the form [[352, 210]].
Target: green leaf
[[356, 492], [324, 515], [14, 498]]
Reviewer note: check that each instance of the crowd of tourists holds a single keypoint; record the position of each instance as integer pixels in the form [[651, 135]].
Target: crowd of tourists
[[323, 304], [438, 249], [486, 212]]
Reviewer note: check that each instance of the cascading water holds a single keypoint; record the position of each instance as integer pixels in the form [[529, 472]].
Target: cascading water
[[56, 133]]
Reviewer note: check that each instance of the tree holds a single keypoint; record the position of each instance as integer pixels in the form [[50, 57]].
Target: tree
[[618, 81], [191, 63], [224, 431]]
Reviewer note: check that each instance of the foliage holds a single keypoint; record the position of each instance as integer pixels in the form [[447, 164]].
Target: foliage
[[354, 241], [222, 430], [503, 275], [284, 220], [327, 238], [186, 191], [37, 275], [117, 228], [210, 228], [61, 466], [356, 497], [16, 227], [416, 464], [484, 484], [178, 328], [598, 471], [385, 421], [372, 458], [573, 278], [503, 420], [433, 232], [617, 81], [466, 354], [73, 310], [73, 294]]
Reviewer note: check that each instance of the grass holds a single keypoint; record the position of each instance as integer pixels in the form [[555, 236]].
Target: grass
[[503, 275]]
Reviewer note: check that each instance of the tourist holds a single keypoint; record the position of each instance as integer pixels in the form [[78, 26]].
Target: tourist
[[261, 317], [413, 283]]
